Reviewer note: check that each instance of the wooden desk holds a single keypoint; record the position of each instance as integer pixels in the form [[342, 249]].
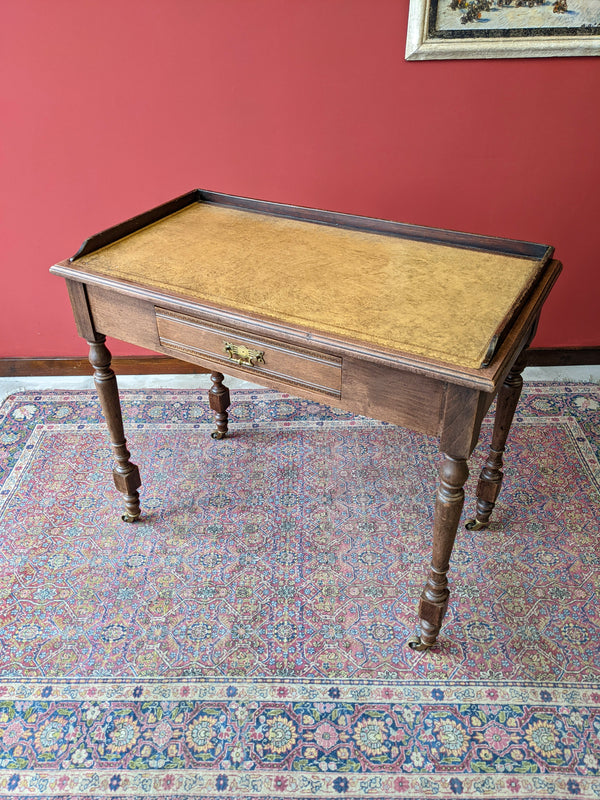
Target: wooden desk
[[414, 326]]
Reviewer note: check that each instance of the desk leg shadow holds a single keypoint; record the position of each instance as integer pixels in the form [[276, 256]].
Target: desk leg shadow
[[125, 474], [490, 478]]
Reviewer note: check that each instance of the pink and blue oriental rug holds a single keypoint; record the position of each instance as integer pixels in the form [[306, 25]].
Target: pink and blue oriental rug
[[247, 638]]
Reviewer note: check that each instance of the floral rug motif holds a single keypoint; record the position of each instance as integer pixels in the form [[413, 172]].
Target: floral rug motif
[[247, 637]]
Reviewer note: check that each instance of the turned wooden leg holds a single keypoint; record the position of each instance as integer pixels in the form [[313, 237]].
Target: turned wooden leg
[[126, 475], [218, 398], [490, 478], [448, 507]]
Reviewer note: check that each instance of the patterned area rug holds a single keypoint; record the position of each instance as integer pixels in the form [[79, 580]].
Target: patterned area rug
[[247, 638]]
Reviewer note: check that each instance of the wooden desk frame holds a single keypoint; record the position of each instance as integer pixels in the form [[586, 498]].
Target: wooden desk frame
[[423, 394]]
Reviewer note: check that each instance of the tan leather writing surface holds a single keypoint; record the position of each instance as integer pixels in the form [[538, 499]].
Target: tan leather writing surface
[[426, 299]]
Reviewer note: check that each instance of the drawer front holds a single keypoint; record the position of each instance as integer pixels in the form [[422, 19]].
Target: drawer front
[[194, 339]]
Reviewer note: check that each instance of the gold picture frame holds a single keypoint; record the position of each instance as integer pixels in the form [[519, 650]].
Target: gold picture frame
[[443, 29]]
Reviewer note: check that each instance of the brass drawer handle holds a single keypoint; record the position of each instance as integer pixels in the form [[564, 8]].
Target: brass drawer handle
[[243, 355]]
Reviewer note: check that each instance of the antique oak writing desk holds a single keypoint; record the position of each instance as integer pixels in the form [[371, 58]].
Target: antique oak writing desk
[[415, 326]]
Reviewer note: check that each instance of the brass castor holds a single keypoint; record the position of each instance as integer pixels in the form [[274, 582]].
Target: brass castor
[[415, 643], [476, 525], [130, 517], [218, 435]]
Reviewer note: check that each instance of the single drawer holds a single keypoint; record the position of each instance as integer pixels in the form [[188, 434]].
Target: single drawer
[[194, 339]]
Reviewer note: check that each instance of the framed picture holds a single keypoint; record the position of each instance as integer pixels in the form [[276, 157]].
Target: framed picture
[[502, 28]]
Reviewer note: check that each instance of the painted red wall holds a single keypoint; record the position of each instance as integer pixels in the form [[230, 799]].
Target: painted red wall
[[109, 108]]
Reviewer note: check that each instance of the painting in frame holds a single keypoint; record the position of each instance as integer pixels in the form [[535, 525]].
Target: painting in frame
[[439, 29]]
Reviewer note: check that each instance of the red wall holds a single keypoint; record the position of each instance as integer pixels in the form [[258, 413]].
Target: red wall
[[109, 108]]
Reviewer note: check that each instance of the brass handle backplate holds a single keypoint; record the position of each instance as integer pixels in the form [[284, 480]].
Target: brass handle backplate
[[243, 355]]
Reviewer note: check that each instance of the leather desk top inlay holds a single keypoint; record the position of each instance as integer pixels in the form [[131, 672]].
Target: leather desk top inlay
[[423, 298]]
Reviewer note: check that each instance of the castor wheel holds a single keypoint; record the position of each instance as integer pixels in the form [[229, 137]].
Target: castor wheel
[[218, 435], [475, 525], [415, 643]]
